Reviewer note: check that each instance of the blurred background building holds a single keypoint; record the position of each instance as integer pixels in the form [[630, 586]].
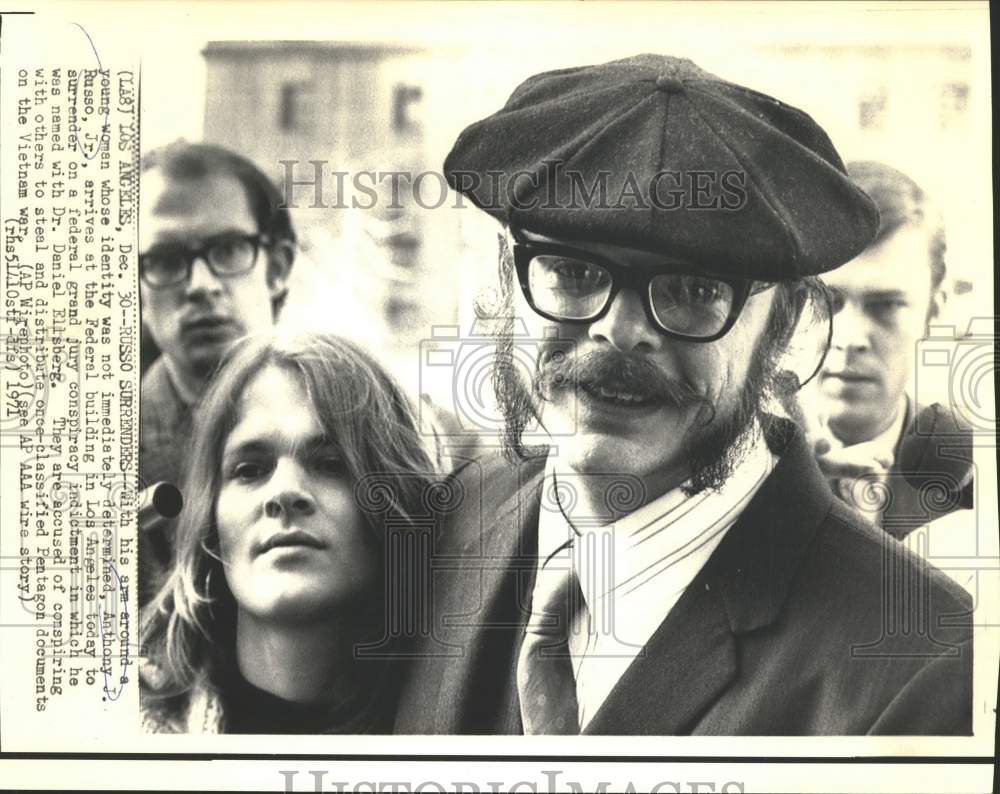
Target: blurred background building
[[332, 122], [910, 105]]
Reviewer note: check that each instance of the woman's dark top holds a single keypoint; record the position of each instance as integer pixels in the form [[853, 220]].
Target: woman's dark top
[[228, 703], [249, 709]]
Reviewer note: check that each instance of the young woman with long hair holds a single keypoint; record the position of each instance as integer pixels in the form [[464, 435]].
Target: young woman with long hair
[[307, 459]]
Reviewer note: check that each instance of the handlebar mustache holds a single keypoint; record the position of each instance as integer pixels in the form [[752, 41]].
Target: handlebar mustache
[[618, 371]]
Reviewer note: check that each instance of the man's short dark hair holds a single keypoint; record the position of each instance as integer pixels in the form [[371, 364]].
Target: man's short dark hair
[[190, 161], [902, 202]]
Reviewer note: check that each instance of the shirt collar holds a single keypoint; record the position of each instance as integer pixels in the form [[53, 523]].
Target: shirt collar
[[658, 541], [885, 444]]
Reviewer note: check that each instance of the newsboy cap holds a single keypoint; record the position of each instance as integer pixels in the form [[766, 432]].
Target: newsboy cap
[[653, 152]]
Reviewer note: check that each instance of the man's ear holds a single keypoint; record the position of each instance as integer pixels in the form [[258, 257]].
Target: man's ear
[[279, 264], [939, 299], [503, 251]]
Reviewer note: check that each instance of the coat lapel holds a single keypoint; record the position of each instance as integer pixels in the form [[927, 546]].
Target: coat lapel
[[486, 608], [691, 659], [687, 663]]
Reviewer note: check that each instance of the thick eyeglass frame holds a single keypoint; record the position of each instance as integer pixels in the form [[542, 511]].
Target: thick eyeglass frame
[[636, 278], [202, 252]]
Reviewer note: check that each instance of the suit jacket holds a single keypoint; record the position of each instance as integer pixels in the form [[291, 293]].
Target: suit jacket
[[805, 620], [932, 470], [165, 434], [164, 427]]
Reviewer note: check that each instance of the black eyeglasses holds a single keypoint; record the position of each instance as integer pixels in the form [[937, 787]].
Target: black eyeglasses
[[572, 286], [226, 255]]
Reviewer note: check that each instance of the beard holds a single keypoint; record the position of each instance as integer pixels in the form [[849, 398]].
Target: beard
[[715, 444]]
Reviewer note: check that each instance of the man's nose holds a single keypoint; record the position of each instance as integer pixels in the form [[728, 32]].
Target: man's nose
[[626, 326], [202, 279], [288, 495], [850, 328]]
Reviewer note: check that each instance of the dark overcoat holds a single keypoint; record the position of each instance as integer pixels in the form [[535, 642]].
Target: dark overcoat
[[805, 620], [932, 470]]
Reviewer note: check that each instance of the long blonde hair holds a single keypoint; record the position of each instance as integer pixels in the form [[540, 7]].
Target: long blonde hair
[[190, 624]]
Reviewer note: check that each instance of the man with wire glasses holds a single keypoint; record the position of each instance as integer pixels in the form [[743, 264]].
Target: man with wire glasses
[[671, 561], [216, 247]]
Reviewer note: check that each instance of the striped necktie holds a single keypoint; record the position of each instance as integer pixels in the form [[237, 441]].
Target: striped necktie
[[546, 685]]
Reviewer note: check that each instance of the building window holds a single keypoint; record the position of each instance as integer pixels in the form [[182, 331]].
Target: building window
[[404, 115], [872, 109], [294, 107], [954, 104]]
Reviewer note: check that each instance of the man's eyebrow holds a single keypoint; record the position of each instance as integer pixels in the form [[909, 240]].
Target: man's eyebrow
[[227, 231], [185, 239], [885, 293]]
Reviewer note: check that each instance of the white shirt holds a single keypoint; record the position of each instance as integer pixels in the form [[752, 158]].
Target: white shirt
[[633, 571], [882, 447]]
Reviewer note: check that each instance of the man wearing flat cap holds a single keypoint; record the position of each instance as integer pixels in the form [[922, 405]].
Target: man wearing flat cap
[[673, 561]]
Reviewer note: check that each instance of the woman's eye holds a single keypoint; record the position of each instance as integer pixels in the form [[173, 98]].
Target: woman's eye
[[330, 464], [248, 471]]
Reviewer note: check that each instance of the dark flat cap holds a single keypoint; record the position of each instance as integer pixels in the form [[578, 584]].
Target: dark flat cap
[[653, 152]]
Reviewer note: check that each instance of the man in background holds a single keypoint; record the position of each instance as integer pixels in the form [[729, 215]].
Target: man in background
[[216, 247], [900, 463]]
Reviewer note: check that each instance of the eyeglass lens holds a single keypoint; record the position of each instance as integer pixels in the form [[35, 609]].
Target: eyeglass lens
[[226, 256], [575, 289]]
